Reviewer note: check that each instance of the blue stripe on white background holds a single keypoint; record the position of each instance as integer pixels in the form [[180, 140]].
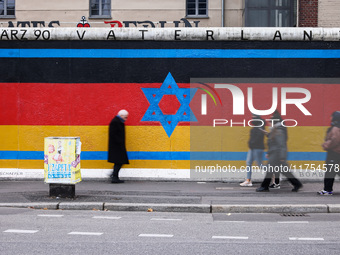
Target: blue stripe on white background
[[169, 53]]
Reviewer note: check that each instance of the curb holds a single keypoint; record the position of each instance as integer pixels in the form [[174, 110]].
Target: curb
[[81, 206], [273, 208], [334, 208], [185, 208], [47, 206], [100, 206], [192, 208]]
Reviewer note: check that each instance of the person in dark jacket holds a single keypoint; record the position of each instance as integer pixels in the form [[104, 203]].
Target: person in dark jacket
[[277, 155], [332, 146], [256, 147], [117, 150]]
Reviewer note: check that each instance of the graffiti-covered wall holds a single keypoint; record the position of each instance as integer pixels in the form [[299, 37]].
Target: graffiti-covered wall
[[52, 87]]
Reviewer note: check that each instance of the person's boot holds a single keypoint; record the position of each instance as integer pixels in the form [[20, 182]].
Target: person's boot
[[115, 178]]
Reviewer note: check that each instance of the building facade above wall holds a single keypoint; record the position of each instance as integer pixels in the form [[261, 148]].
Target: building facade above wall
[[176, 13]]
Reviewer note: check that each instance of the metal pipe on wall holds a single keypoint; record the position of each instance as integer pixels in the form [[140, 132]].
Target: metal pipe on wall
[[297, 12], [222, 9]]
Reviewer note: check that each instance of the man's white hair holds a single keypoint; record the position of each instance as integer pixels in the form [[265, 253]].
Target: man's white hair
[[122, 113]]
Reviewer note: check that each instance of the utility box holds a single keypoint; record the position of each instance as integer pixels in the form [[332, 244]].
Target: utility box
[[62, 165]]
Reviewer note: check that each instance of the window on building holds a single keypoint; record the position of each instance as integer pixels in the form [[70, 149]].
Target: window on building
[[7, 8], [270, 13], [100, 8], [197, 8]]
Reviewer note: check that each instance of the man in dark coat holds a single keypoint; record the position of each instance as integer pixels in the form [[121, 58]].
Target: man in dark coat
[[117, 149], [277, 155]]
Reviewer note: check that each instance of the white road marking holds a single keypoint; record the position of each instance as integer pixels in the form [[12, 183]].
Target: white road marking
[[85, 233], [230, 221], [306, 239], [201, 182], [50, 215], [231, 237], [106, 217], [162, 219], [292, 222], [21, 231], [224, 188], [155, 235]]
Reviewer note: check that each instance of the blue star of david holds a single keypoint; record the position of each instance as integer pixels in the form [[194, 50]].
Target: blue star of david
[[154, 96]]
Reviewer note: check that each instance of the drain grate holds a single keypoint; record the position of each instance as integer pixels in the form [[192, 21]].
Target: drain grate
[[294, 215]]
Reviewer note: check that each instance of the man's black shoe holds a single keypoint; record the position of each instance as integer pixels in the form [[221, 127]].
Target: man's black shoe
[[296, 188], [262, 189], [117, 181]]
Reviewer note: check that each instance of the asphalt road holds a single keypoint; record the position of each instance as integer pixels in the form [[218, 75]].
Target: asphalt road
[[28, 231]]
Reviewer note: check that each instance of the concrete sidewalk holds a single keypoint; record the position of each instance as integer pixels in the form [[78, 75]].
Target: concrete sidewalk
[[199, 197]]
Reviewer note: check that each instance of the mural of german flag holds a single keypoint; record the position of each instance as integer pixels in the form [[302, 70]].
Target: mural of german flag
[[75, 88]]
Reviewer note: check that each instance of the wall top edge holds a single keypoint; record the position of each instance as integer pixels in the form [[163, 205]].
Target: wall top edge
[[173, 34]]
